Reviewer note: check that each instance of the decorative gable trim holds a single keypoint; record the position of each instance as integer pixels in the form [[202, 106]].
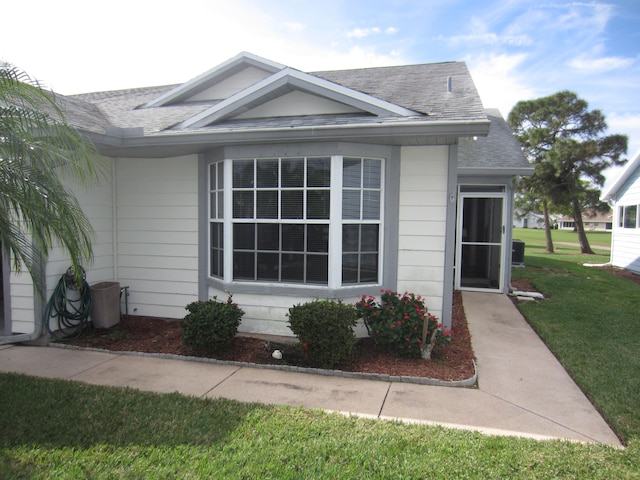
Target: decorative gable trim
[[285, 81], [213, 76]]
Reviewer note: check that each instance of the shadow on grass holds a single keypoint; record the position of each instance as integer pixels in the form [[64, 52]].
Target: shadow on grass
[[58, 413]]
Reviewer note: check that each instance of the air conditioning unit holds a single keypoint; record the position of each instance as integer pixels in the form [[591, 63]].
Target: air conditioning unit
[[517, 252]]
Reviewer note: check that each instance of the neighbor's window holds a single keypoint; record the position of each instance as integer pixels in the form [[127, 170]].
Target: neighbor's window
[[282, 227], [629, 216]]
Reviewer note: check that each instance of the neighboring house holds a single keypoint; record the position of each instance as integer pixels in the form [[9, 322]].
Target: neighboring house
[[592, 221], [625, 195], [528, 220], [280, 186]]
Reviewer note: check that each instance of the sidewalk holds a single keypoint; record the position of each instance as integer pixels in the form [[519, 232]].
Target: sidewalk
[[522, 389]]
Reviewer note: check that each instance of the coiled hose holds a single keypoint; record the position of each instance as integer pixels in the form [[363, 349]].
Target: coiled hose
[[70, 307]]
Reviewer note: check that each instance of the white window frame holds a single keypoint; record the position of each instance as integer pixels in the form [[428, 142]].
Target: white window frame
[[335, 226]]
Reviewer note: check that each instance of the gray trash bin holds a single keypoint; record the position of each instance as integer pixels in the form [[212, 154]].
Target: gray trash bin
[[105, 311]]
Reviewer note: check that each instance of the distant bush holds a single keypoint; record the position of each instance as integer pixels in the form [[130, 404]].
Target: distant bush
[[325, 330], [211, 326]]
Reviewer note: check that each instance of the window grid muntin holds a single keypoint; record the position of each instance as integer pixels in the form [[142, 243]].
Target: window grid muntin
[[335, 165], [278, 186], [363, 185]]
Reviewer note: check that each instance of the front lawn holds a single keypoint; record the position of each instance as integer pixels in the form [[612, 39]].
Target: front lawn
[[590, 321], [63, 430]]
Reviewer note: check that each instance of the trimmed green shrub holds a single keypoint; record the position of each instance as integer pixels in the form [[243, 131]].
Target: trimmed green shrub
[[401, 324], [325, 330], [211, 326]]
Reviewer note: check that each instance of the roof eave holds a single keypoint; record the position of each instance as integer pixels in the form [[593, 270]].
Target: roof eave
[[126, 143]]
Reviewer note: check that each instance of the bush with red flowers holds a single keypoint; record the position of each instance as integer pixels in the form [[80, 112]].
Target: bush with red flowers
[[401, 323]]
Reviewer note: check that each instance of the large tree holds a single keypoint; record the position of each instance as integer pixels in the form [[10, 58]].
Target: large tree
[[40, 155], [566, 143]]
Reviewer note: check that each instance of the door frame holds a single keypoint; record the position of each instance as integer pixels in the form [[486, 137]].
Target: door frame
[[481, 193]]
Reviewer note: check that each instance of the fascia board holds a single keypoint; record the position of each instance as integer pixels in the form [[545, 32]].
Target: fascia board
[[507, 171], [626, 173], [210, 75], [299, 134], [302, 81]]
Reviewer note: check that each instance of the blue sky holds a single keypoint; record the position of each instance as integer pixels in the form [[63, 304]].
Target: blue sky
[[515, 49]]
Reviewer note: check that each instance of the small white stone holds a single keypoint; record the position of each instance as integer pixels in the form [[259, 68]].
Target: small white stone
[[277, 354]]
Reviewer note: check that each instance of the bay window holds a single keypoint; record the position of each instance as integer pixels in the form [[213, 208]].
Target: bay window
[[306, 220]]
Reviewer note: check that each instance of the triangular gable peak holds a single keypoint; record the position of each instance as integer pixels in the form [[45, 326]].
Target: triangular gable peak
[[220, 82], [290, 92]]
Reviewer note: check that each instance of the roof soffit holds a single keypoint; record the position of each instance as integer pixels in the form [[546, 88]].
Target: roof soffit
[[289, 80]]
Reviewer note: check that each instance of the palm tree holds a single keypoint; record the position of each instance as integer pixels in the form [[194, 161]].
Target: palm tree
[[40, 153]]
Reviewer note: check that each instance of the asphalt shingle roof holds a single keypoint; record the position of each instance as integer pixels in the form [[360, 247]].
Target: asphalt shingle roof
[[422, 88]]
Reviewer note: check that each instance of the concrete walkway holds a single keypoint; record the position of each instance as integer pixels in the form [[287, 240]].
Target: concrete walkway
[[522, 389]]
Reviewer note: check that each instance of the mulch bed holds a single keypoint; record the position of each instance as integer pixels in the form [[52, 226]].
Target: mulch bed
[[453, 362]]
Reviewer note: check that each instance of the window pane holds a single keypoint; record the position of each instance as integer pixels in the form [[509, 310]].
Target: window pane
[[372, 171], [350, 268], [243, 265], [350, 238], [268, 236], [351, 173], [216, 235], [244, 236], [319, 172], [369, 241], [267, 172], [292, 268], [216, 263], [213, 208], [220, 176], [630, 216], [371, 205], [293, 238], [318, 269], [242, 204], [267, 204], [292, 204], [220, 203], [268, 266], [318, 238], [369, 268], [318, 204], [242, 173], [292, 172], [213, 182], [351, 204]]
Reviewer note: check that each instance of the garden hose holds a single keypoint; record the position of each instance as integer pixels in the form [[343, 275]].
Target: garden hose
[[70, 307]]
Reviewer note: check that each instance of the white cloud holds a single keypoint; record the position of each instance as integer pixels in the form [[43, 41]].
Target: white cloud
[[362, 32], [497, 82], [626, 124], [295, 26], [599, 65], [489, 38]]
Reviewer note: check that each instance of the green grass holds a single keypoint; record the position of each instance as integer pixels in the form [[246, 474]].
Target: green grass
[[590, 321], [58, 429], [64, 430]]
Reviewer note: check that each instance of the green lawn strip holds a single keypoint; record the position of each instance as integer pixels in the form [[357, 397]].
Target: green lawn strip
[[59, 429], [536, 236], [590, 322]]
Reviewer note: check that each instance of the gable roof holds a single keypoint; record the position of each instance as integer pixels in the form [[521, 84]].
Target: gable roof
[[626, 173], [429, 104]]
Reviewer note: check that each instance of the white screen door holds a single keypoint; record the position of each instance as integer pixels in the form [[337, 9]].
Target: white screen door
[[480, 241]]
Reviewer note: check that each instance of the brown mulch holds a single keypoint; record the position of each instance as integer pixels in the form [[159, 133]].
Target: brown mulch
[[158, 335]]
